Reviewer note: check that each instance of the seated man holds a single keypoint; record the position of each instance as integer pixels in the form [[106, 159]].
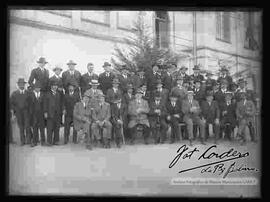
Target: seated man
[[174, 116], [82, 119], [228, 115], [210, 113], [102, 127], [119, 120], [245, 111], [157, 115], [164, 93], [138, 110], [93, 93], [191, 110], [179, 90]]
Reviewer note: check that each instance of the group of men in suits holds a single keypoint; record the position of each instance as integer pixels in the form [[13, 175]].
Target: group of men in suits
[[107, 107]]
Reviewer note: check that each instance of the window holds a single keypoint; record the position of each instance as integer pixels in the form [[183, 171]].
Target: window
[[65, 13], [223, 31], [126, 19], [162, 29], [102, 17], [250, 42]]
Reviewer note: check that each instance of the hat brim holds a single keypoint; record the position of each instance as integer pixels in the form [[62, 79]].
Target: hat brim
[[44, 62], [21, 82], [71, 63], [54, 69]]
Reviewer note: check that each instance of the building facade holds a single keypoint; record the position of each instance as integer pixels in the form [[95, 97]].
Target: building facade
[[206, 38]]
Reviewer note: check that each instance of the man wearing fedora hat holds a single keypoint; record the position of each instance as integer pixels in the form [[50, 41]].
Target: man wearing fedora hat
[[36, 111], [87, 77], [225, 75], [70, 99], [211, 114], [129, 95], [164, 93], [179, 89], [199, 92], [191, 109], [105, 79], [53, 113], [40, 74], [138, 110], [124, 78], [196, 74], [181, 73], [71, 75], [114, 92], [93, 93], [19, 105], [119, 120], [101, 127], [243, 89]]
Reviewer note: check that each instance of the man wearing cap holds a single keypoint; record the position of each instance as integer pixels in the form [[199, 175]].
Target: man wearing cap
[[119, 120], [245, 112], [40, 74], [164, 93], [225, 75], [228, 115], [87, 77], [199, 92], [19, 104], [71, 75], [93, 93], [211, 114], [36, 111], [82, 119], [138, 110], [71, 97], [53, 113], [196, 74], [157, 115], [124, 79], [179, 90], [105, 79], [174, 116], [192, 110], [102, 126], [113, 92]]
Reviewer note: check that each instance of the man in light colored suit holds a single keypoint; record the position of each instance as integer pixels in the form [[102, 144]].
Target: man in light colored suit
[[82, 119], [245, 112], [191, 110], [138, 110], [101, 122]]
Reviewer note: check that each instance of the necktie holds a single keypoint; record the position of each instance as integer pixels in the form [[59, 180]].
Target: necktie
[[107, 74], [228, 103], [119, 106], [173, 104]]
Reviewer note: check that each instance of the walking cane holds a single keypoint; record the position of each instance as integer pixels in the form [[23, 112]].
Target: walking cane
[[122, 131]]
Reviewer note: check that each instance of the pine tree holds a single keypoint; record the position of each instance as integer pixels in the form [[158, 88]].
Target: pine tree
[[142, 52]]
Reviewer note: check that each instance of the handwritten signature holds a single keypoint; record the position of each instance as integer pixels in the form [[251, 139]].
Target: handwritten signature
[[218, 165]]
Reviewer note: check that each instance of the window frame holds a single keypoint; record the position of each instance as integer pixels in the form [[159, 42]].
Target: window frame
[[220, 31], [107, 24]]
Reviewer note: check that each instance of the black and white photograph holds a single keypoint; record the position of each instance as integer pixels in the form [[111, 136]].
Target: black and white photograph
[[134, 103]]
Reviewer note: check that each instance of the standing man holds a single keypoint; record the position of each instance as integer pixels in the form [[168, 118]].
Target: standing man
[[128, 96], [196, 74], [138, 110], [19, 104], [114, 92], [199, 93], [153, 77], [71, 75], [87, 78], [174, 116], [245, 111], [225, 75], [220, 95], [166, 79], [228, 115], [105, 79], [139, 79], [70, 99], [93, 93], [40, 74], [179, 90], [102, 127], [53, 111], [119, 119], [82, 119], [36, 110], [124, 79], [209, 82], [181, 73], [163, 92], [191, 110], [157, 115], [211, 113]]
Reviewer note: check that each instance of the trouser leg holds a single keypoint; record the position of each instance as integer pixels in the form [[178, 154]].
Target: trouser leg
[[50, 125], [146, 131], [56, 129], [189, 124], [67, 129]]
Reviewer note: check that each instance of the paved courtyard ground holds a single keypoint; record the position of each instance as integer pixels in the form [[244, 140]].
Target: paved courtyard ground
[[133, 170]]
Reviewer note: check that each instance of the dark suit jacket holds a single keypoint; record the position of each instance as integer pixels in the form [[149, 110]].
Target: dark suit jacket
[[154, 106], [85, 80], [199, 77], [230, 116], [69, 102], [199, 95], [164, 95], [167, 81], [210, 112], [53, 104], [36, 106], [111, 95], [124, 82], [186, 108], [42, 77], [177, 74], [219, 96], [67, 78], [174, 110], [20, 102], [152, 80], [127, 98], [117, 113], [105, 82]]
